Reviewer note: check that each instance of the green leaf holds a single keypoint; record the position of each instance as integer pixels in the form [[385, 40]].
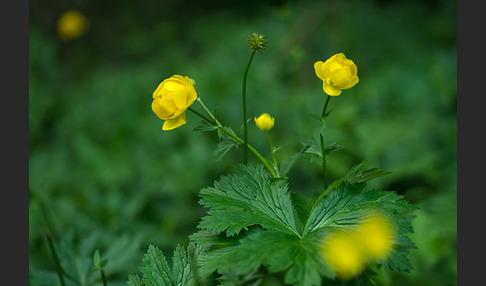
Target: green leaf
[[205, 127], [223, 136], [96, 258], [328, 208], [346, 206], [155, 269], [97, 261], [223, 147], [312, 146], [181, 268], [315, 116], [359, 174], [240, 131], [276, 250], [157, 272], [231, 278], [287, 163], [262, 206], [209, 238], [248, 198], [134, 280]]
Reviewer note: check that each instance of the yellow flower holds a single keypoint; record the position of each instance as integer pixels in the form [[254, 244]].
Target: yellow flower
[[264, 122], [171, 99], [376, 234], [344, 254], [72, 24], [337, 73], [349, 252]]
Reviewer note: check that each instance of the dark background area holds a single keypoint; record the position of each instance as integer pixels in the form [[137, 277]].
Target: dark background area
[[103, 175]]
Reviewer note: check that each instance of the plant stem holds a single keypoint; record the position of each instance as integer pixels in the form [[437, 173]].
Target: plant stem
[[56, 259], [272, 149], [323, 148], [233, 136], [325, 107], [103, 277], [243, 96], [202, 116]]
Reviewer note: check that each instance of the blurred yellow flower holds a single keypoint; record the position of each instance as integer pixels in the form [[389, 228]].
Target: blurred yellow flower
[[349, 252], [264, 122], [344, 254], [376, 234], [337, 73], [72, 24], [171, 99]]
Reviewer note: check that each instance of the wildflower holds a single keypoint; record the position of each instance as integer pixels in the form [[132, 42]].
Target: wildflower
[[348, 252], [337, 73], [264, 122], [72, 24], [376, 235], [344, 254], [171, 99]]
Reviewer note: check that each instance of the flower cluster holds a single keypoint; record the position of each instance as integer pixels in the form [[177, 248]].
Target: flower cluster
[[346, 249]]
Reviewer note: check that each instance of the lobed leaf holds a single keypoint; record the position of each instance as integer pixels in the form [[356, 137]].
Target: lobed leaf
[[346, 206], [248, 198], [358, 174], [155, 269], [275, 250], [157, 272]]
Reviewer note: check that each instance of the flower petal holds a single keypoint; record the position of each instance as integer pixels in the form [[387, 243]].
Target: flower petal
[[331, 90], [174, 123], [163, 108], [341, 76], [352, 83], [318, 68], [191, 92], [176, 90]]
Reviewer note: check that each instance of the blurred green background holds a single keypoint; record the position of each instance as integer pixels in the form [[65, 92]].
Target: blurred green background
[[104, 176]]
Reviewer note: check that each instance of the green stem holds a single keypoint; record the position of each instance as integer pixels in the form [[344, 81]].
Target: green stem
[[272, 149], [103, 277], [202, 116], [233, 136], [325, 107], [56, 259], [243, 96], [323, 148]]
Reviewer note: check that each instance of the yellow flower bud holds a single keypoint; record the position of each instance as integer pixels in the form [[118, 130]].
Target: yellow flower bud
[[264, 122], [72, 24], [337, 73], [171, 99]]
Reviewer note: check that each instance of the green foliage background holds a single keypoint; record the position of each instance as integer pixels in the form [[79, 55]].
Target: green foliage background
[[104, 176]]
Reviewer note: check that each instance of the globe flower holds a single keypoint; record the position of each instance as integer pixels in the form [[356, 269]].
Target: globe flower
[[171, 99], [264, 122], [376, 235], [348, 252], [344, 254], [72, 24], [337, 73]]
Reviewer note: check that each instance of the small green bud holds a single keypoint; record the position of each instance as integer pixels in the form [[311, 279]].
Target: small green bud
[[257, 42]]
